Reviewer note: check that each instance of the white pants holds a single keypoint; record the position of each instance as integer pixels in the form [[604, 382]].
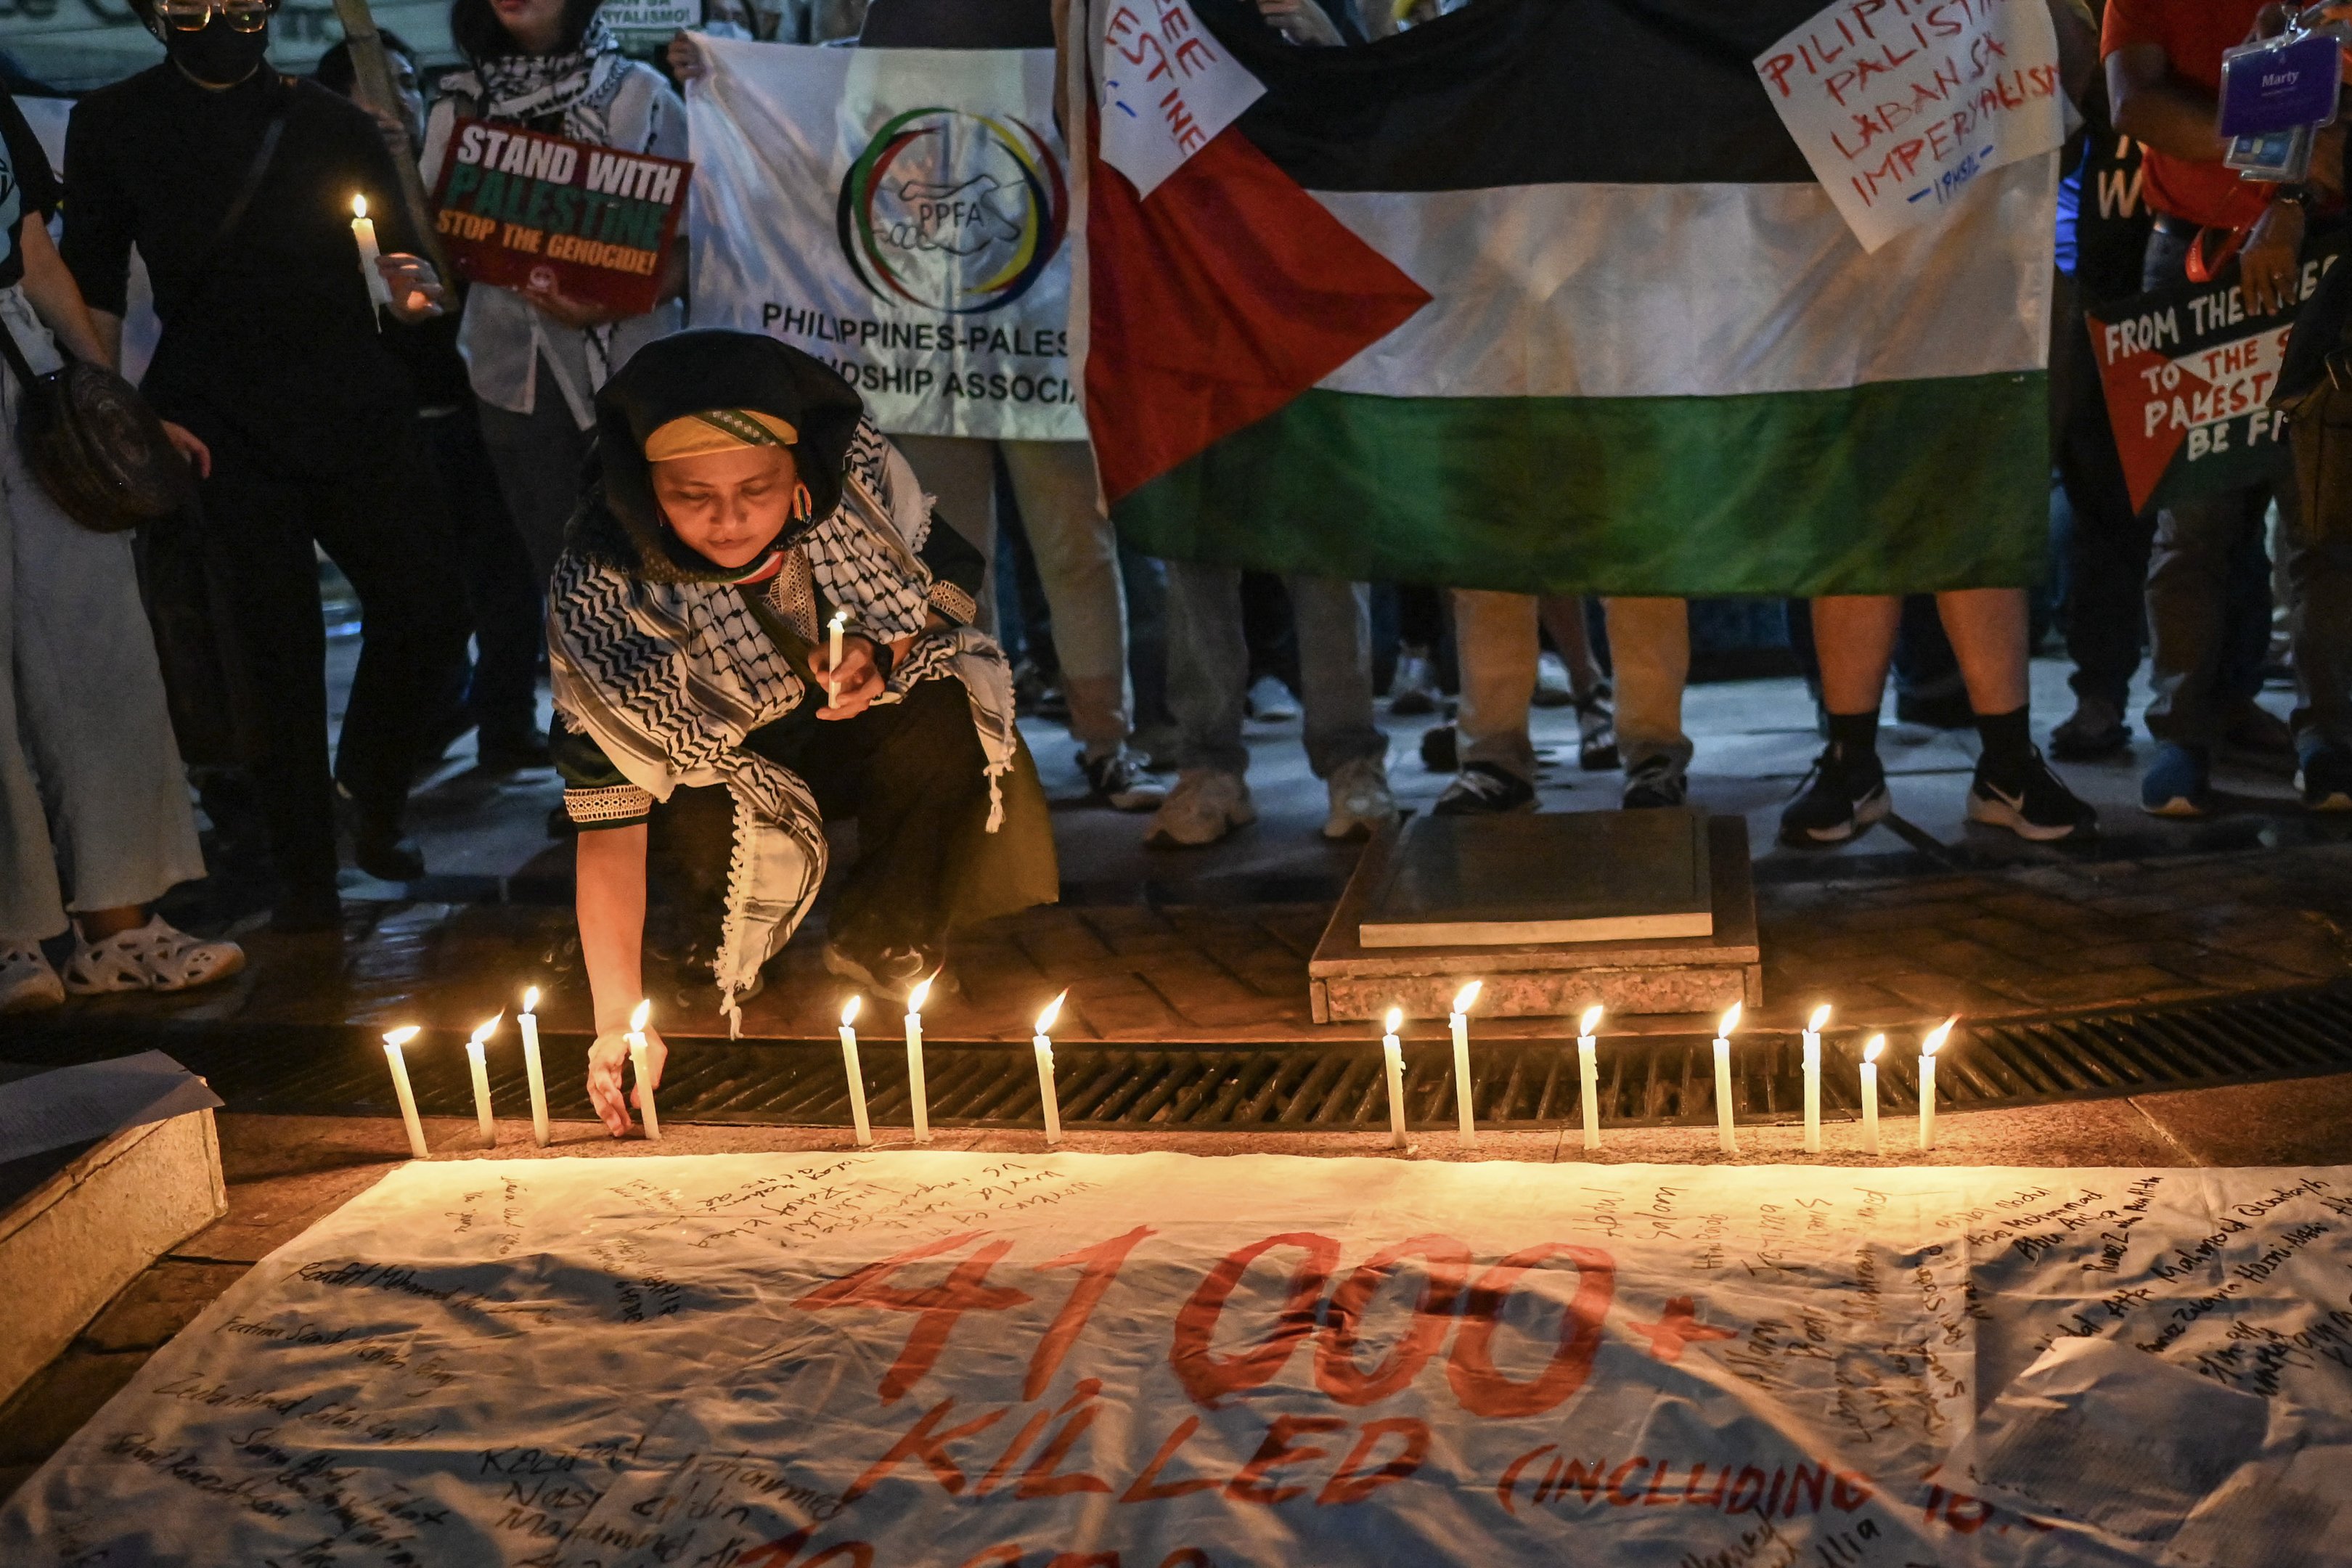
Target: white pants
[[94, 809]]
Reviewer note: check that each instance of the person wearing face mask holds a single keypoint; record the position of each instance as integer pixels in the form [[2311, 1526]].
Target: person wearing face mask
[[237, 185], [537, 356]]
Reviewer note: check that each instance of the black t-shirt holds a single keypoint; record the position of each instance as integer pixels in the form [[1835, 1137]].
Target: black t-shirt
[[28, 186]]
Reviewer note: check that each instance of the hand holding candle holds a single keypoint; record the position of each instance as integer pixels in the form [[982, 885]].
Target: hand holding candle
[[1813, 1078], [1870, 1053], [1726, 1137], [1042, 1042], [1459, 1020], [1588, 1072], [532, 1070], [641, 1068], [393, 1044], [857, 1076], [478, 1063], [1927, 1050], [916, 1096], [1392, 1056]]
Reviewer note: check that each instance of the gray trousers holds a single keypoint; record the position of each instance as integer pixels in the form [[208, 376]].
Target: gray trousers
[[1208, 668], [538, 457]]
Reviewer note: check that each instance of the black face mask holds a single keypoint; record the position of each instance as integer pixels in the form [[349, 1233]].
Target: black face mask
[[218, 54]]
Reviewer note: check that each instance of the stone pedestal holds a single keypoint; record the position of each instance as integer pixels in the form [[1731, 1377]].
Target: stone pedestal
[[1347, 980]]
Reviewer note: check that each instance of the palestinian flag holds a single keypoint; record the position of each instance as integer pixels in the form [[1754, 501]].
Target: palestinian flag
[[1541, 296]]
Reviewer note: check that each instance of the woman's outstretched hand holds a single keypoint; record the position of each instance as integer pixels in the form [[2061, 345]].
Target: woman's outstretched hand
[[608, 1067], [856, 685]]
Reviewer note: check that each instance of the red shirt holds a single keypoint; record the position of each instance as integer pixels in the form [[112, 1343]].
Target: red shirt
[[2192, 34]]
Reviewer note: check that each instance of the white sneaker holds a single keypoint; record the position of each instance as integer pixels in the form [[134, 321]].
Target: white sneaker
[[154, 957], [1362, 802], [1206, 804], [27, 984], [1270, 699], [1552, 687], [1413, 689]]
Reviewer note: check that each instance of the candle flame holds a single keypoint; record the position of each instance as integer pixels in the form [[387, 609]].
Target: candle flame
[[1878, 1044], [487, 1028], [638, 1019], [1465, 998], [1820, 1015], [1395, 1017], [916, 997], [1053, 1011], [840, 619], [530, 998], [1730, 1022], [1589, 1022], [849, 1011], [1937, 1035], [359, 206], [403, 1035]]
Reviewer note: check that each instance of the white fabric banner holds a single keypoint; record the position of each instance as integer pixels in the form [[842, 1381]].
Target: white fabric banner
[[865, 1360], [900, 214]]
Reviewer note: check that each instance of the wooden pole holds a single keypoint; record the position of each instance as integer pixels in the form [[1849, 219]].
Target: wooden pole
[[372, 71]]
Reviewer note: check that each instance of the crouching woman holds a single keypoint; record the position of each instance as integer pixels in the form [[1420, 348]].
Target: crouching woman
[[736, 500]]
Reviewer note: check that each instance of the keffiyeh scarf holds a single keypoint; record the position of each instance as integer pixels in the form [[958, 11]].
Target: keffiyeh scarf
[[579, 85]]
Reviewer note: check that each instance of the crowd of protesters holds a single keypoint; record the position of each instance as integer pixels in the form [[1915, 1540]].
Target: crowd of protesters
[[435, 460]]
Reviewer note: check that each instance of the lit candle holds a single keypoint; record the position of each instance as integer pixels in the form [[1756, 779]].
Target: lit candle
[[532, 1069], [642, 1070], [857, 1076], [364, 232], [1927, 1050], [399, 1063], [1588, 1070], [1813, 1078], [1870, 1094], [1393, 1054], [1460, 1021], [833, 682], [914, 1094], [478, 1064], [1045, 1046], [1725, 1138]]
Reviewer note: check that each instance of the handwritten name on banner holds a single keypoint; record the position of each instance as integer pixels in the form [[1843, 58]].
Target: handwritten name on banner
[[1899, 105], [1165, 87], [976, 1360]]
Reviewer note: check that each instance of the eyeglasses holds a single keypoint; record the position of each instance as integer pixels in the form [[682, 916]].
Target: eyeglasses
[[191, 15]]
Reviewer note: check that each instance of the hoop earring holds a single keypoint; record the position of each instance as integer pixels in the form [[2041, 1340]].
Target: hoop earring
[[803, 502]]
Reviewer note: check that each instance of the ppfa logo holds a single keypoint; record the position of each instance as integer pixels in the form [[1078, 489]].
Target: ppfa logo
[[961, 213]]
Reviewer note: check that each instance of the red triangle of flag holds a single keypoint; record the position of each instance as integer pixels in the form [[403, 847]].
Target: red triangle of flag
[[1216, 301]]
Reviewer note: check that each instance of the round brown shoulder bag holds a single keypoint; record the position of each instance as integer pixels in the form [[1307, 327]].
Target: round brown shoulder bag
[[99, 449]]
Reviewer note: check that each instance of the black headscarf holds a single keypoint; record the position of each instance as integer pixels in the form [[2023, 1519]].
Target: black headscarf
[[620, 523]]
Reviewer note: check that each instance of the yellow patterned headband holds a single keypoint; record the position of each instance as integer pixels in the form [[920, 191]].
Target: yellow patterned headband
[[718, 430]]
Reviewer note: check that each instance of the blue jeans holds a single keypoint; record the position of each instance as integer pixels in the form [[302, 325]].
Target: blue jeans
[[1208, 668]]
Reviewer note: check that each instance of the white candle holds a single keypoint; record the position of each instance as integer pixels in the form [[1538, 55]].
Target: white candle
[[642, 1068], [833, 680], [1813, 1078], [477, 1062], [1927, 1050], [1459, 1020], [1726, 1137], [1043, 1043], [857, 1076], [532, 1069], [1588, 1071], [400, 1086], [914, 1094], [1393, 1055], [1870, 1094], [364, 232]]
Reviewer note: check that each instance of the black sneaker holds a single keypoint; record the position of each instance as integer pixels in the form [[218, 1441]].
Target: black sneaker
[[1441, 752], [1119, 781], [2039, 806], [1483, 789], [1654, 783], [2324, 779], [1840, 798]]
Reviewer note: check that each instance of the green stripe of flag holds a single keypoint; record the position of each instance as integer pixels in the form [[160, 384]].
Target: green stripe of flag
[[1891, 487]]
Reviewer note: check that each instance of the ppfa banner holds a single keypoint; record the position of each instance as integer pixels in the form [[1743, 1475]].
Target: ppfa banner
[[519, 209], [900, 214], [893, 1358], [2188, 375]]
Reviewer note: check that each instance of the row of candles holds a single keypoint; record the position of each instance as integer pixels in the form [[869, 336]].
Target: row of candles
[[1041, 1043]]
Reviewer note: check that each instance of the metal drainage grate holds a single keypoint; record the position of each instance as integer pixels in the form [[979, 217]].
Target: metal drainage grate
[[1652, 1081]]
